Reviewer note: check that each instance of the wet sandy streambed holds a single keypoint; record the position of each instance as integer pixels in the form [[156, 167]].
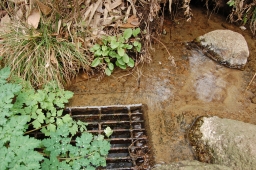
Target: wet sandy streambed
[[175, 96]]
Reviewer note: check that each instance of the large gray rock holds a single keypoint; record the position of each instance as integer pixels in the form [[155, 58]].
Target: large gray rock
[[190, 165], [226, 47], [225, 142]]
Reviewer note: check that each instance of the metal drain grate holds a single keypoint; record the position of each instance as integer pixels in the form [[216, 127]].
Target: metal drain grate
[[129, 141]]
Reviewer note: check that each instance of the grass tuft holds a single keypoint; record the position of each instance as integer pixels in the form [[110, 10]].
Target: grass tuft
[[39, 56]]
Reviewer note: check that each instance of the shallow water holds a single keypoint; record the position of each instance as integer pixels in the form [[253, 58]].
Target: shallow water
[[175, 96]]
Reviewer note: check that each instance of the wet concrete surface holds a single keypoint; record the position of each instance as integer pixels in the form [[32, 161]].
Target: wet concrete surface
[[175, 96]]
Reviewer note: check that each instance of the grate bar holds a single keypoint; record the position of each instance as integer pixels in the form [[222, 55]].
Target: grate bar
[[129, 141]]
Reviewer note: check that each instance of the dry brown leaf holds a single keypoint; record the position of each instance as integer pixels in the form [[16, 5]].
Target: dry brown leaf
[[4, 23], [132, 22], [115, 4], [111, 19], [17, 1], [34, 18], [95, 6], [19, 14], [5, 20], [134, 12], [87, 12], [59, 25], [107, 7], [44, 8], [53, 58]]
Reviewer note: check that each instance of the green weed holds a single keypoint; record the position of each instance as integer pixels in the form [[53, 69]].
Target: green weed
[[25, 110], [113, 51]]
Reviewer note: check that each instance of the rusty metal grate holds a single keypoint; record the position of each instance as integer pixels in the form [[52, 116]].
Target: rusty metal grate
[[129, 141]]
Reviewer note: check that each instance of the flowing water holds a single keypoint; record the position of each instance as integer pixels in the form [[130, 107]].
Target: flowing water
[[175, 96]]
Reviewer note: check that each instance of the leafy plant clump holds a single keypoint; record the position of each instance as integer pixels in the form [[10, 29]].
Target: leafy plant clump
[[24, 111], [244, 11], [113, 51]]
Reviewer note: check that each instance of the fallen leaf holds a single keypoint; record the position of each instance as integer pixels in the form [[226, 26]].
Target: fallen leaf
[[132, 22], [44, 8], [19, 14], [34, 18], [53, 58], [5, 20], [17, 1], [4, 23], [115, 4]]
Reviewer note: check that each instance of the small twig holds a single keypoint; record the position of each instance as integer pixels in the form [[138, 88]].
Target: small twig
[[35, 129], [250, 82], [173, 62]]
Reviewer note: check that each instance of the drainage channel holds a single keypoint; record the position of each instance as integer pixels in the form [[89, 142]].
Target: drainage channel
[[129, 141]]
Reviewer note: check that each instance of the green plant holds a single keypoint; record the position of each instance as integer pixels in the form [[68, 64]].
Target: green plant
[[24, 110], [231, 3], [114, 50], [39, 56]]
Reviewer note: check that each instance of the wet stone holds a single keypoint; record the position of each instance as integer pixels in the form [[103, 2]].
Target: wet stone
[[227, 47], [224, 141]]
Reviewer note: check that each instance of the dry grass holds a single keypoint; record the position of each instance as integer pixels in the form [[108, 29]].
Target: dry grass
[[40, 57]]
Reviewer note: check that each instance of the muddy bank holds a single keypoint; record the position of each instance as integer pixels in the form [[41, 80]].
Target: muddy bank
[[175, 96]]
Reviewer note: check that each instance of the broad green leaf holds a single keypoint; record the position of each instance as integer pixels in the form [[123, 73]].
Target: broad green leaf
[[59, 112], [73, 129], [121, 39], [120, 62], [52, 120], [41, 118], [95, 47], [135, 43], [108, 131], [128, 46], [126, 58], [131, 62], [95, 62], [120, 51], [59, 122], [127, 33], [122, 67], [36, 124], [138, 47], [66, 118], [107, 59], [111, 66], [4, 74], [114, 44], [113, 54], [98, 53], [105, 53], [108, 72], [51, 127], [104, 48], [111, 38], [135, 32]]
